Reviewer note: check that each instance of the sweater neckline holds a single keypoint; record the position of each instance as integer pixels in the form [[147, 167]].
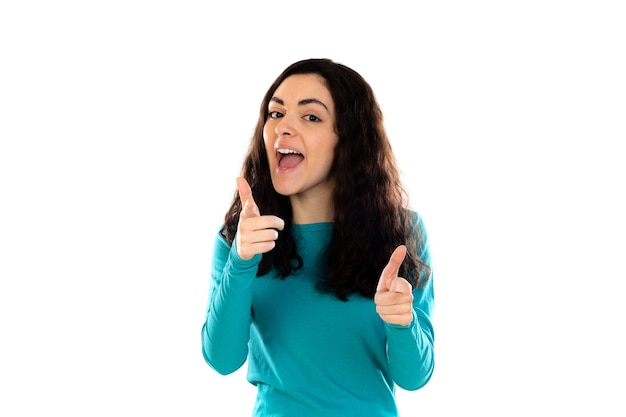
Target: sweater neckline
[[313, 227]]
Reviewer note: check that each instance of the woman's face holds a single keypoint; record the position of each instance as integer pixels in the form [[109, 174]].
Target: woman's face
[[299, 136]]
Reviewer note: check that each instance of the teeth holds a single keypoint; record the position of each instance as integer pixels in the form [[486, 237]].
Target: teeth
[[286, 151]]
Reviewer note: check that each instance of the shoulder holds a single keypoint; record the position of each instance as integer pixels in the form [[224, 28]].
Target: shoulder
[[416, 221], [220, 243]]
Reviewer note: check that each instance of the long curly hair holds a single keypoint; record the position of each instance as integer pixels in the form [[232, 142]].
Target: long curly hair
[[371, 215]]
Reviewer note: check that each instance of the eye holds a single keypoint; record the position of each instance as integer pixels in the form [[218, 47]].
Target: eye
[[311, 118], [275, 114]]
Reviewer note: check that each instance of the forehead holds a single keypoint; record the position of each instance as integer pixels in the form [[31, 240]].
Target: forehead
[[301, 86]]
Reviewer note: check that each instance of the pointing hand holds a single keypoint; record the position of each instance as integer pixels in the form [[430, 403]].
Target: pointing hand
[[394, 296], [255, 233]]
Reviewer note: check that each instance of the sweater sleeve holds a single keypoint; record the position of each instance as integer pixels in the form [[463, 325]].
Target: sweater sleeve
[[226, 330], [410, 349]]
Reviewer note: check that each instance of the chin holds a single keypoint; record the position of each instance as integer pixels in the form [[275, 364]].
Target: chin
[[282, 189]]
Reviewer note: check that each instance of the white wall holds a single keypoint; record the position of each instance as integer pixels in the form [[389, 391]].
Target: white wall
[[122, 128]]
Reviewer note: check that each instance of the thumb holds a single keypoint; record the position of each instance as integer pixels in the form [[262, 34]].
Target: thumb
[[391, 270], [249, 207], [400, 285]]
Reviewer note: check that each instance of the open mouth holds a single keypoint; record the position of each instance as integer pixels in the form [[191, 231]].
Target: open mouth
[[288, 158]]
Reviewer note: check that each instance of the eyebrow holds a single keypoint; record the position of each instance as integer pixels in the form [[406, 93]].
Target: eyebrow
[[302, 102]]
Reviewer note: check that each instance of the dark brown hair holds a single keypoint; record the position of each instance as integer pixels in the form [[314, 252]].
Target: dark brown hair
[[370, 204]]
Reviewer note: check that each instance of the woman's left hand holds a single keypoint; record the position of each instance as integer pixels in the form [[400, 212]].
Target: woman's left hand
[[394, 295]]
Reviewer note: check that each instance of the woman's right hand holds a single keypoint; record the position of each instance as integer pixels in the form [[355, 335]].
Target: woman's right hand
[[255, 233]]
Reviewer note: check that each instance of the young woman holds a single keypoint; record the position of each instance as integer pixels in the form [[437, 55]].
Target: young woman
[[321, 274]]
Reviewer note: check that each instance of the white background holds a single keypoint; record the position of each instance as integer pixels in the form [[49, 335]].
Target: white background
[[123, 125]]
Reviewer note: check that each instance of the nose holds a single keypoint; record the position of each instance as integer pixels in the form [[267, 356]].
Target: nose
[[284, 127]]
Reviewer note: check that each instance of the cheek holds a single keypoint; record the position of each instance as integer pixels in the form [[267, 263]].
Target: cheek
[[269, 145], [330, 151], [266, 137], [324, 159]]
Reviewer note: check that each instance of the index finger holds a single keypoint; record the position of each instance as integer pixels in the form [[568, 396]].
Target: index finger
[[392, 268], [245, 195]]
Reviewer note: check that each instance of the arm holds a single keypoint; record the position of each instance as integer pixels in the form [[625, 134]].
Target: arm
[[226, 329], [410, 347]]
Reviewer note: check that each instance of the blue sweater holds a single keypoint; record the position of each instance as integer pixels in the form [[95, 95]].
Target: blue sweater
[[308, 353]]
